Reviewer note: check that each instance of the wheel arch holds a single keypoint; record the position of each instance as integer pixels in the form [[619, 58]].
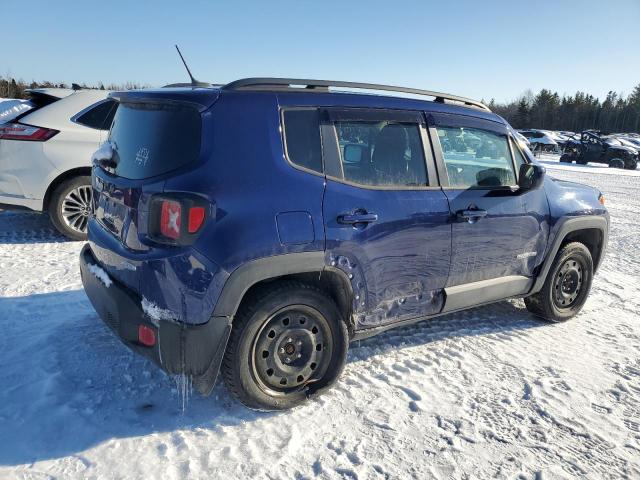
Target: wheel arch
[[592, 231], [308, 267], [74, 172]]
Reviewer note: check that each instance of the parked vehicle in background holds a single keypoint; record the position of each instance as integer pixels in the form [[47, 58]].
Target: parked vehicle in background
[[540, 141], [260, 227], [45, 154], [522, 140], [627, 140], [593, 147]]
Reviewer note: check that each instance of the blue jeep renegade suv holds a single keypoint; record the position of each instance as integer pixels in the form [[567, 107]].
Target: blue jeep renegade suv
[[258, 227]]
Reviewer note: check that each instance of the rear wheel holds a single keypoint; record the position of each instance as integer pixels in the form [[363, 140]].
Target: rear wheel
[[70, 207], [567, 285], [287, 343]]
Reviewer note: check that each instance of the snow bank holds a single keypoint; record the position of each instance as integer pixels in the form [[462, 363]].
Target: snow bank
[[100, 274]]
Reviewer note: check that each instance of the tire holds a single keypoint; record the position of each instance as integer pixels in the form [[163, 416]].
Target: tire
[[566, 287], [288, 332], [566, 158], [616, 163], [70, 206]]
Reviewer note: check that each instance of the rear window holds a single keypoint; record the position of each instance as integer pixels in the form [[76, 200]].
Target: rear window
[[153, 139], [11, 109]]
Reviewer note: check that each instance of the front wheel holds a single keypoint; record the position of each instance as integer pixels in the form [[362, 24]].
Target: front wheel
[[70, 207], [616, 163], [287, 343], [567, 285]]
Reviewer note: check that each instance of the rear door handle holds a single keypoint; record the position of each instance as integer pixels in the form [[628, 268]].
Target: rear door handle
[[353, 218], [471, 215]]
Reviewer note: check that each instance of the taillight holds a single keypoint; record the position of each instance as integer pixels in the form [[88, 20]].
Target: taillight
[[196, 219], [176, 220], [29, 133], [170, 219]]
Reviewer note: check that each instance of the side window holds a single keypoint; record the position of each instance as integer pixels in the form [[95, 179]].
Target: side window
[[518, 157], [302, 138], [381, 153], [476, 158], [100, 116]]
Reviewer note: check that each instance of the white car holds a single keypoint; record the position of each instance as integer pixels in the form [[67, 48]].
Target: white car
[[45, 153], [540, 140]]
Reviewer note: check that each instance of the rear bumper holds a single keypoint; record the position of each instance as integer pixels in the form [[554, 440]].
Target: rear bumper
[[194, 350]]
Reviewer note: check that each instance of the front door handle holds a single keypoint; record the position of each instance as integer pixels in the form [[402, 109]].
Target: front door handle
[[353, 218], [471, 215]]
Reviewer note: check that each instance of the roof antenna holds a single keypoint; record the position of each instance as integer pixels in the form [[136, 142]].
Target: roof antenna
[[194, 82]]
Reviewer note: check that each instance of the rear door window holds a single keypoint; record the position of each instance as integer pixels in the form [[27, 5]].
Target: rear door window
[[153, 139], [99, 116], [382, 154]]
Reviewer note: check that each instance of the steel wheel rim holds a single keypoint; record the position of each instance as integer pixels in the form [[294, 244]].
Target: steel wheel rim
[[567, 284], [292, 349], [76, 207]]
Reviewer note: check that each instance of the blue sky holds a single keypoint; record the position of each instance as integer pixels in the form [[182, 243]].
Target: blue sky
[[482, 49]]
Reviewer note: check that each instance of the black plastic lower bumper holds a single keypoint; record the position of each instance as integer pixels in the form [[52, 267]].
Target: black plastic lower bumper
[[194, 350]]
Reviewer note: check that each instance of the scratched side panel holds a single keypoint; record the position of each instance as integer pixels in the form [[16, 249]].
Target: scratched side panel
[[397, 266]]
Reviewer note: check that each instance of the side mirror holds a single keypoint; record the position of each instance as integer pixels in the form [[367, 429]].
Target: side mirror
[[353, 153], [531, 176]]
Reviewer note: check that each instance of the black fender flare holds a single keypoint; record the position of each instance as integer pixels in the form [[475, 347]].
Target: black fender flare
[[571, 224], [254, 271]]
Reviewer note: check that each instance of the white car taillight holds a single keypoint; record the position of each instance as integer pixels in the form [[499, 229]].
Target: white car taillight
[[29, 133]]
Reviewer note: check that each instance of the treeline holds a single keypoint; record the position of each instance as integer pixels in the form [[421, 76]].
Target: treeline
[[12, 88], [548, 111]]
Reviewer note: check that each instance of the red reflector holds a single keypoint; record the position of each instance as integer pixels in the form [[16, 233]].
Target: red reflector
[[196, 218], [170, 219], [146, 336], [18, 131]]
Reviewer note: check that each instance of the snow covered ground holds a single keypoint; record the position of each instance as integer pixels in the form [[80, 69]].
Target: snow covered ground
[[491, 392]]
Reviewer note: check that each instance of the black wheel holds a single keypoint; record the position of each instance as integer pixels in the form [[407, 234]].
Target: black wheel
[[616, 163], [566, 158], [287, 343], [631, 164], [70, 207], [567, 285]]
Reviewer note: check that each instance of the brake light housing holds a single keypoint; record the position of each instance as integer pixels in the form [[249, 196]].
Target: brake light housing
[[26, 133], [177, 219]]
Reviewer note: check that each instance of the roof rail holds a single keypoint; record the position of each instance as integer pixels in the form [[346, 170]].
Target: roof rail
[[312, 84]]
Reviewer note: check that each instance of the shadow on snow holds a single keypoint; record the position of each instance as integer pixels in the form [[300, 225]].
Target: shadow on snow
[[68, 384]]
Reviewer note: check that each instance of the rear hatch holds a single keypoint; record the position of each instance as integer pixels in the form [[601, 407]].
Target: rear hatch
[[148, 141]]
